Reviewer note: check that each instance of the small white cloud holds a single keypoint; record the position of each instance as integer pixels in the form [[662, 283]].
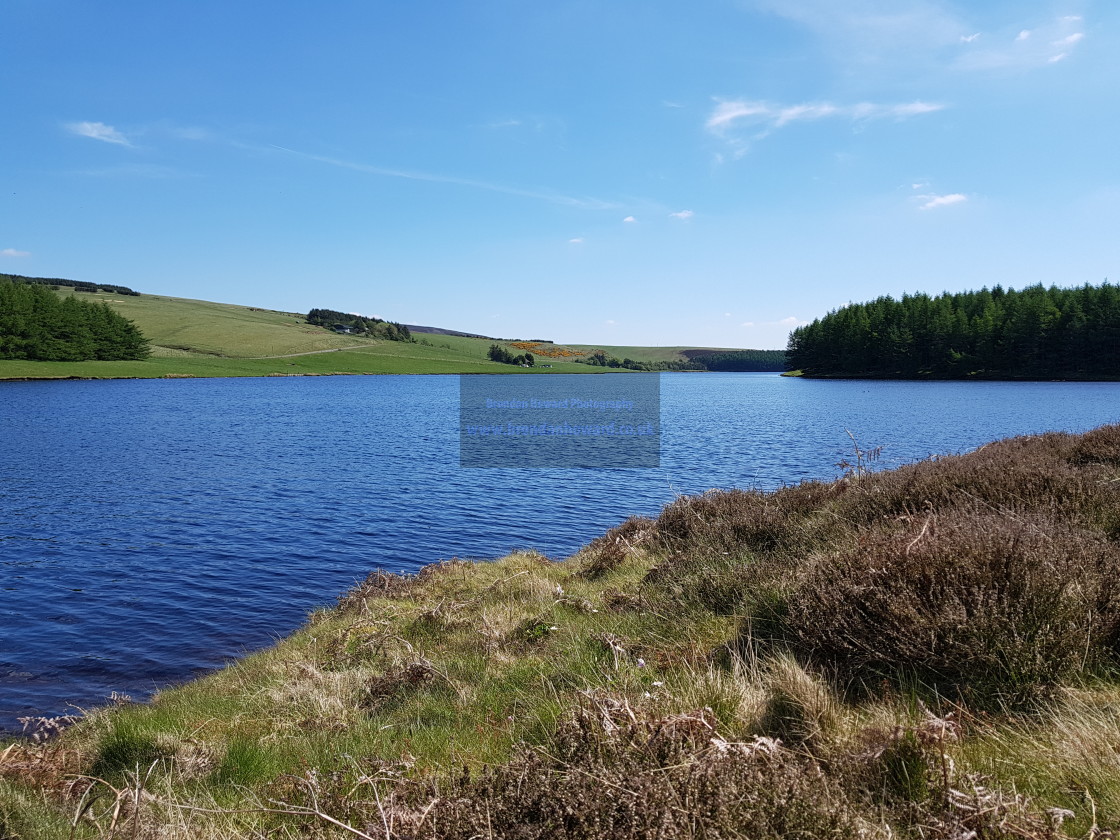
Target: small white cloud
[[726, 314], [968, 39], [791, 321], [932, 201], [682, 214], [1072, 18], [921, 185], [748, 323], [577, 240], [609, 323], [630, 220], [12, 252], [98, 131], [1047, 43]]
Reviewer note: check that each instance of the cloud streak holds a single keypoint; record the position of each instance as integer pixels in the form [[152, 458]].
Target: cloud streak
[[98, 131], [12, 252], [732, 115], [586, 203]]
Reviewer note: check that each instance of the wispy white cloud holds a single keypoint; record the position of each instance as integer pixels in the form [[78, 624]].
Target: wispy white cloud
[[586, 203], [12, 252], [929, 202], [914, 36], [682, 214], [1020, 48], [730, 117], [630, 220], [98, 131], [577, 240]]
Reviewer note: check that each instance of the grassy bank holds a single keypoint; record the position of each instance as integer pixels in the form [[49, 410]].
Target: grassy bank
[[927, 652]]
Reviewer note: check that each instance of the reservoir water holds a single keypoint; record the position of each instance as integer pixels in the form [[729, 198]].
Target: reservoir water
[[151, 530]]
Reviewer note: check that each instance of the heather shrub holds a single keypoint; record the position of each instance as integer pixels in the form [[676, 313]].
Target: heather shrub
[[989, 609], [738, 521], [1024, 476], [606, 553], [378, 584], [1099, 446], [619, 772]]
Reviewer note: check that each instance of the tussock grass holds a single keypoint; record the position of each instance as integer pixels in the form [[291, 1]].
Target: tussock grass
[[930, 652]]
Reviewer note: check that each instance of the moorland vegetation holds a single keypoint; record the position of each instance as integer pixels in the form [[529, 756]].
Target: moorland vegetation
[[927, 652]]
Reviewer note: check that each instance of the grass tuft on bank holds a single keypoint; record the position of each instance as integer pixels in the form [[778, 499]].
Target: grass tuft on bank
[[928, 652]]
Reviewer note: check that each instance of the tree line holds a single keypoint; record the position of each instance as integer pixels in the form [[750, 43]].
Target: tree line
[[738, 360], [76, 285], [997, 333], [601, 359], [359, 324], [497, 353], [38, 325]]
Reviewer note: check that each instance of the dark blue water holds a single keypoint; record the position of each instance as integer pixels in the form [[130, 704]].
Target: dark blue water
[[151, 530]]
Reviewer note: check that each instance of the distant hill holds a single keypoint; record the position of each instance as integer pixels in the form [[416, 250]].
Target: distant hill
[[440, 331], [205, 338]]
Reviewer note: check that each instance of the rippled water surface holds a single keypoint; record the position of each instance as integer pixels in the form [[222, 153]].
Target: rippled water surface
[[150, 529]]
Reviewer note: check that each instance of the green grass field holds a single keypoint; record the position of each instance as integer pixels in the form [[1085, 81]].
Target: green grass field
[[207, 339]]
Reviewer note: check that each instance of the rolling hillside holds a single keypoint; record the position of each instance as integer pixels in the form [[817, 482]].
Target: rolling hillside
[[207, 339]]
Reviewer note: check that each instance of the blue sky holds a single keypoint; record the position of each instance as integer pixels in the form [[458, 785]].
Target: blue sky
[[705, 173]]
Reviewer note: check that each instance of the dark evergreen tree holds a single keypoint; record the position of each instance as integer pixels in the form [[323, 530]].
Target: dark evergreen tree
[[39, 325], [1033, 333]]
